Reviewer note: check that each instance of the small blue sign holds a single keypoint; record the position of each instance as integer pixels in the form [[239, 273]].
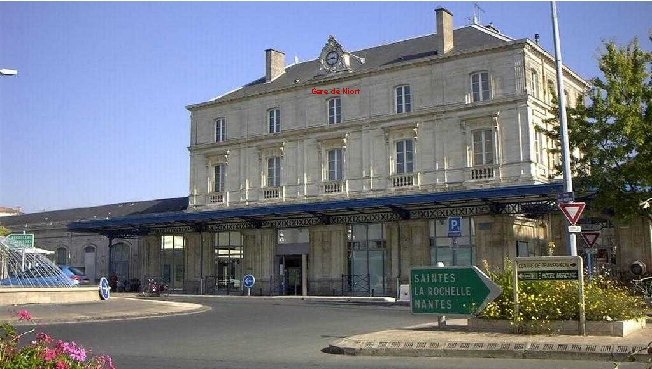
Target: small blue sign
[[248, 281], [454, 226], [105, 289]]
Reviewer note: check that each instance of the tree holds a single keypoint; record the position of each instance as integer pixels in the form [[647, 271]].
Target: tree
[[4, 231], [613, 133]]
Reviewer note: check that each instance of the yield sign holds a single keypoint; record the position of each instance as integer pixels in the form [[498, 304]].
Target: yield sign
[[590, 237], [572, 211]]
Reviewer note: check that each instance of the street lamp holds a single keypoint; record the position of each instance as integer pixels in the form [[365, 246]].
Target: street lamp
[[645, 204], [8, 72]]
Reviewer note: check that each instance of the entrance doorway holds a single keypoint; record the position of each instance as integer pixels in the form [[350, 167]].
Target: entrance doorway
[[89, 262], [290, 275]]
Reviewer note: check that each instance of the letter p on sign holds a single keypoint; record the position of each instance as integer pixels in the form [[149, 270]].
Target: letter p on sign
[[454, 226]]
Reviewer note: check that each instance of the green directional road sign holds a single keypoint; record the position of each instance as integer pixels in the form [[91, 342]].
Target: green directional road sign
[[22, 239], [450, 290]]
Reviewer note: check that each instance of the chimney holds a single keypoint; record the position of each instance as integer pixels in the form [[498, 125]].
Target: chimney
[[444, 30], [275, 64]]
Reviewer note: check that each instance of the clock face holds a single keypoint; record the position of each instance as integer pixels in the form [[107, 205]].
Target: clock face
[[332, 58]]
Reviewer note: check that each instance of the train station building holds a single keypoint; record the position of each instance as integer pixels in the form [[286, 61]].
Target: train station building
[[337, 175]]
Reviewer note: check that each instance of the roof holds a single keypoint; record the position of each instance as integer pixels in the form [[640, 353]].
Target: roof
[[98, 212], [466, 38], [297, 210]]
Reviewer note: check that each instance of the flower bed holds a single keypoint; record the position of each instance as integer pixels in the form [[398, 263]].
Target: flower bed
[[44, 351], [543, 302]]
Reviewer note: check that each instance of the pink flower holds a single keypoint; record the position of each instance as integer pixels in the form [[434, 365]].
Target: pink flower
[[74, 351], [24, 315], [49, 354], [62, 365], [43, 337], [105, 361]]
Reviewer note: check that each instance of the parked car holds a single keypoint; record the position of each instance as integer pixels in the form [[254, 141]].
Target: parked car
[[75, 274], [38, 278]]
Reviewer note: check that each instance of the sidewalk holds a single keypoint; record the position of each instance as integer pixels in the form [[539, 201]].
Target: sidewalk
[[453, 340], [118, 307]]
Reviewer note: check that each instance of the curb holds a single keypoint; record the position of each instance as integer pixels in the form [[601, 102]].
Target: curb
[[97, 319], [529, 350]]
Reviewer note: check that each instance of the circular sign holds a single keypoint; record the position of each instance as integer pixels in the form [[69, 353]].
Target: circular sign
[[105, 289], [249, 281]]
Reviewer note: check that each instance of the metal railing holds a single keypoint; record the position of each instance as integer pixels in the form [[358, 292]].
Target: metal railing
[[356, 284]]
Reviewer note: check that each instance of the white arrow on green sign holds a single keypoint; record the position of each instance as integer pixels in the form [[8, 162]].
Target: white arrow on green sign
[[450, 290]]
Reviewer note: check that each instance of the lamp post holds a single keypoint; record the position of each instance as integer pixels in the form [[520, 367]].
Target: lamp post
[[645, 204], [568, 175], [8, 72]]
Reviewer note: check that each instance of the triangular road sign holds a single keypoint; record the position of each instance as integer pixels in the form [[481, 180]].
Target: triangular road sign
[[572, 211], [590, 237]]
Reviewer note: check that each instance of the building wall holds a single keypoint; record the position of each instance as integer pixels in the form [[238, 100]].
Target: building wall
[[441, 123]]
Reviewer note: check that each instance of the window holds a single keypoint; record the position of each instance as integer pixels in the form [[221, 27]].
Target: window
[[566, 98], [172, 260], [220, 129], [62, 256], [274, 119], [480, 86], [335, 161], [458, 251], [404, 156], [552, 91], [228, 262], [335, 110], [218, 179], [540, 144], [274, 171], [483, 147], [534, 83], [367, 252], [403, 99]]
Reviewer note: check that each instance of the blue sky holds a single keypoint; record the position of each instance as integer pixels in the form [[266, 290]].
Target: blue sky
[[97, 113]]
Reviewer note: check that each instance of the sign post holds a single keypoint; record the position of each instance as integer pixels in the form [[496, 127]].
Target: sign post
[[590, 238], [249, 282], [551, 268], [451, 291]]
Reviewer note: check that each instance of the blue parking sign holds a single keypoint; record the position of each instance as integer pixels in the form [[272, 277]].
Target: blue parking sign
[[454, 226]]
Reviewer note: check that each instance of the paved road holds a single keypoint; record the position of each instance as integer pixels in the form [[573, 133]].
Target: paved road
[[252, 333]]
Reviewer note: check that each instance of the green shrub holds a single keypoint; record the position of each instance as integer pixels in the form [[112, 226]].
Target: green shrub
[[543, 301]]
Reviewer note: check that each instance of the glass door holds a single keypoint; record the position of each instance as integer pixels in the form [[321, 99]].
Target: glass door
[[367, 251], [172, 261]]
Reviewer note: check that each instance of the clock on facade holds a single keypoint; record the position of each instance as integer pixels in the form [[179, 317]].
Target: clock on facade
[[332, 58]]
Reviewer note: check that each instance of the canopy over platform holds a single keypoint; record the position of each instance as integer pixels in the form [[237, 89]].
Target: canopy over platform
[[532, 200]]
